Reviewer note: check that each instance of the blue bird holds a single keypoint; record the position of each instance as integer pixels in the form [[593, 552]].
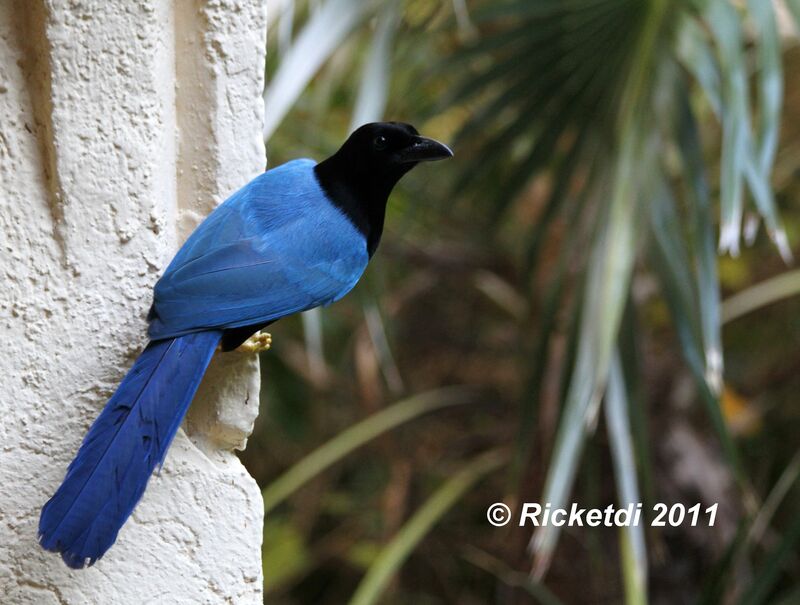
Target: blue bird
[[296, 237]]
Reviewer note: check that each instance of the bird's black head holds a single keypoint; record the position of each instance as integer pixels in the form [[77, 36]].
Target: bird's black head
[[360, 176]]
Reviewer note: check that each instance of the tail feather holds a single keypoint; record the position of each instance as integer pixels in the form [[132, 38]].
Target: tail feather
[[123, 446]]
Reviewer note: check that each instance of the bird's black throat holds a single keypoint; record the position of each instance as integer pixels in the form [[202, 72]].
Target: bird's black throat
[[360, 190], [360, 176]]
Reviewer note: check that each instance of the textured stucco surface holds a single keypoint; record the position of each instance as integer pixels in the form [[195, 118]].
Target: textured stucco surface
[[121, 125]]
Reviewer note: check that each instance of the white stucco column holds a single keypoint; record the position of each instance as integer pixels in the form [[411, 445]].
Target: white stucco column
[[122, 124]]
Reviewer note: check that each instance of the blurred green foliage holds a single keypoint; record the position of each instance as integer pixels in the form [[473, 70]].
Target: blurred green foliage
[[563, 271]]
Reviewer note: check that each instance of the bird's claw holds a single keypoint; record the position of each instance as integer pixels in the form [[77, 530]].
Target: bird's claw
[[257, 343]]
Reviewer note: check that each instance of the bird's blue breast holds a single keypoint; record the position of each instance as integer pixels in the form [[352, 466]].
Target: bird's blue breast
[[275, 247]]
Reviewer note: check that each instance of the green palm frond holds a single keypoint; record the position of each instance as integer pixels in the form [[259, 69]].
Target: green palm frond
[[356, 436], [389, 560], [549, 92], [320, 37], [617, 85]]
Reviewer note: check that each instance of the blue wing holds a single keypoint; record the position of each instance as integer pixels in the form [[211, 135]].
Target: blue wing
[[276, 247]]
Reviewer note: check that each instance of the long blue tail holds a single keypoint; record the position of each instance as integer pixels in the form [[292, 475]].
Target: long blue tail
[[126, 442]]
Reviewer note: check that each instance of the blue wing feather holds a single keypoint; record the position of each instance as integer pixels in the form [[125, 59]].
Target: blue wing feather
[[276, 247]]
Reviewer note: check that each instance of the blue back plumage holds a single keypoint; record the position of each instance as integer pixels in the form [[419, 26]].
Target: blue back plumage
[[275, 247]]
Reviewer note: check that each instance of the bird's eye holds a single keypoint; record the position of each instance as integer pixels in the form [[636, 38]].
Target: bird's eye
[[381, 142]]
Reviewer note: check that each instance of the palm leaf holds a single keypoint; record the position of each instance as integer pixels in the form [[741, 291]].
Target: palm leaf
[[766, 293], [319, 38], [669, 256], [705, 263], [510, 577], [766, 577], [724, 83], [373, 88], [354, 437], [611, 265], [411, 534], [574, 55], [619, 432], [726, 28], [794, 9]]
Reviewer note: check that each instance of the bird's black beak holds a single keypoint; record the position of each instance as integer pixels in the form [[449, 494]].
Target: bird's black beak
[[423, 149]]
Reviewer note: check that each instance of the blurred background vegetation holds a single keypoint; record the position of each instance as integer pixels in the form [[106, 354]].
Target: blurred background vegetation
[[593, 302]]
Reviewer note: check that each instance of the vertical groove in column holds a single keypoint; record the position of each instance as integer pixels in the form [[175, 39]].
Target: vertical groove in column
[[197, 161], [31, 37]]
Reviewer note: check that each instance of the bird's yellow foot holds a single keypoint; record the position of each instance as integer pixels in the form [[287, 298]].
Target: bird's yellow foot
[[257, 343]]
